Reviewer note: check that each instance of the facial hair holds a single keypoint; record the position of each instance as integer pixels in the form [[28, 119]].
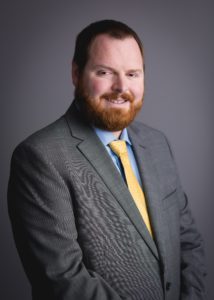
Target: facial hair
[[108, 118]]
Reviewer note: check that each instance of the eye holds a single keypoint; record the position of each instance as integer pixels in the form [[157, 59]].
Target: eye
[[103, 72], [133, 74]]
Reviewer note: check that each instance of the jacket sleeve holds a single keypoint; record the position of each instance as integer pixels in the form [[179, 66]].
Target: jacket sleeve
[[193, 269], [42, 216]]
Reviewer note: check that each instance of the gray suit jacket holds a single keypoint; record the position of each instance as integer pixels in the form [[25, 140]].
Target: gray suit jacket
[[77, 230]]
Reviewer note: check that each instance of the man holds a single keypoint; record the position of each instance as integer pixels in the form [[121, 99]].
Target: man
[[91, 221]]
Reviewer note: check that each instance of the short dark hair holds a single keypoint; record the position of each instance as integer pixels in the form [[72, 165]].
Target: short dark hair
[[85, 38]]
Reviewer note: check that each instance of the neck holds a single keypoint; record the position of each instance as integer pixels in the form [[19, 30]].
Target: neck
[[117, 133]]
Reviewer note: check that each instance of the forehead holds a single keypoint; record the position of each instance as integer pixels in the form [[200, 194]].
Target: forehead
[[112, 51]]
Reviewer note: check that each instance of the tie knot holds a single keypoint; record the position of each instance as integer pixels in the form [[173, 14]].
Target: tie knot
[[118, 147]]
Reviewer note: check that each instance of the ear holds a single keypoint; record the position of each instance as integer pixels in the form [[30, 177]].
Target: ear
[[75, 73]]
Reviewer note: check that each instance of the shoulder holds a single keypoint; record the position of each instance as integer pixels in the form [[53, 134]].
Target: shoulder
[[152, 139], [147, 134], [157, 147], [50, 137], [54, 131]]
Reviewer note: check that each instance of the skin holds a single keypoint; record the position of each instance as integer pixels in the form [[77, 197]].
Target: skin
[[115, 68]]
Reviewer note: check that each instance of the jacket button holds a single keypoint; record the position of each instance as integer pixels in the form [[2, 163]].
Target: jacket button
[[168, 286]]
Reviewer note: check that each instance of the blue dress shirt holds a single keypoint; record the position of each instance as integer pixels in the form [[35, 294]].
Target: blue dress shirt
[[107, 137]]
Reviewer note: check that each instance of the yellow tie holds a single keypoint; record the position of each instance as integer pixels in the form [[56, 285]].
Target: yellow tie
[[119, 148]]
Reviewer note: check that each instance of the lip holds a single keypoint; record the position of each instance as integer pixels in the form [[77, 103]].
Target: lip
[[116, 101]]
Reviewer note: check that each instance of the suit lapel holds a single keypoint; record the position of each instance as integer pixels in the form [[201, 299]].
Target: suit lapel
[[154, 191], [96, 154]]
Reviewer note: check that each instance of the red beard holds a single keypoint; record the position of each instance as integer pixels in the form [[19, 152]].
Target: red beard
[[104, 117]]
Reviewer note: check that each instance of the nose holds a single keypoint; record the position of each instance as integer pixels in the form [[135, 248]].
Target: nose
[[120, 84]]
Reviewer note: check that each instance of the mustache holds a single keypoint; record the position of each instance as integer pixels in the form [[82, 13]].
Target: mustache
[[115, 96]]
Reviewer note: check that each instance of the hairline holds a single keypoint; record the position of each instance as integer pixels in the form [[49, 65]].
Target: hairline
[[116, 36]]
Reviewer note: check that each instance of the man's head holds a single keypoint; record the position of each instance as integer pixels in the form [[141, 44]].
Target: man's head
[[108, 74]]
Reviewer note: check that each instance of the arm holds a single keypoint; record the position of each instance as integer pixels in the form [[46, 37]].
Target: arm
[[43, 222], [193, 270]]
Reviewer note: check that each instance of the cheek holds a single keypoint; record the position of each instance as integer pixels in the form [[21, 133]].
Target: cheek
[[138, 91], [98, 87]]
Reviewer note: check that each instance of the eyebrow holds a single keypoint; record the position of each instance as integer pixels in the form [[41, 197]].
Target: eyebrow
[[113, 70]]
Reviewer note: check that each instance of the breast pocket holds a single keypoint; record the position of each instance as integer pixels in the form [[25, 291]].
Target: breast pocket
[[170, 199]]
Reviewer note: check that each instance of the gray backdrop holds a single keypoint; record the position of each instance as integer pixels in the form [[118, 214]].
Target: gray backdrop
[[36, 48]]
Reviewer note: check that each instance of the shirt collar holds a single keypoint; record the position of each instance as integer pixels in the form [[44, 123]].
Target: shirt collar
[[107, 137]]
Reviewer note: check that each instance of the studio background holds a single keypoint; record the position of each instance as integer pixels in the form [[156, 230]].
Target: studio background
[[37, 43]]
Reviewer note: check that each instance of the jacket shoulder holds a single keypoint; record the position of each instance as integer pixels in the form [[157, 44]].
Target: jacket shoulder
[[146, 132], [48, 136], [150, 137]]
